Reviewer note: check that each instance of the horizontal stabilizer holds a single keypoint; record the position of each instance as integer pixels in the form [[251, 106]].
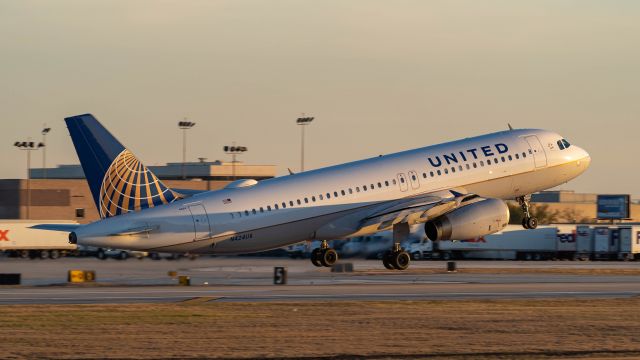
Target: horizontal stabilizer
[[56, 227]]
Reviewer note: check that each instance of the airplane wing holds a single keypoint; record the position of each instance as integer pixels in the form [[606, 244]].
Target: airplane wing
[[416, 209], [56, 227]]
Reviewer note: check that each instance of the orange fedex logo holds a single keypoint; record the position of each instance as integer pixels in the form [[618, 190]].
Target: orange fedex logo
[[3, 235]]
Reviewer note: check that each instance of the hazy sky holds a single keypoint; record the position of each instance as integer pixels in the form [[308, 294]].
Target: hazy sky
[[379, 76]]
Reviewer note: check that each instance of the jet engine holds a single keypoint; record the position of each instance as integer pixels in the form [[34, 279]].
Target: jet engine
[[480, 218]]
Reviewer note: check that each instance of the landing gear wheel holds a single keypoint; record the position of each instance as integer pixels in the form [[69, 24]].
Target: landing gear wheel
[[328, 257], [315, 257], [400, 260], [528, 222], [385, 260]]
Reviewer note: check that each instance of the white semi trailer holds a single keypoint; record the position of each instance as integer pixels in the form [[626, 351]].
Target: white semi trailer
[[17, 238], [513, 243]]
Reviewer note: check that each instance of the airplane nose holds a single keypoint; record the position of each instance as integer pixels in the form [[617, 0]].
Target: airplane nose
[[585, 158]]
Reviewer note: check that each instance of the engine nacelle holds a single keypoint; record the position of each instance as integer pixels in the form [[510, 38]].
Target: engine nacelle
[[480, 218]]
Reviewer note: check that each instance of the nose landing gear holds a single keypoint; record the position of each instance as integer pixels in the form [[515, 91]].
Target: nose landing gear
[[324, 255], [528, 222]]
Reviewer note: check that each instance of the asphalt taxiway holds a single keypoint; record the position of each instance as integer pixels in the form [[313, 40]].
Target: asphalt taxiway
[[251, 280]]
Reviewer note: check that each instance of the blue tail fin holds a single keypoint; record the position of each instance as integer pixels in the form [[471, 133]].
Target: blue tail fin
[[119, 182]]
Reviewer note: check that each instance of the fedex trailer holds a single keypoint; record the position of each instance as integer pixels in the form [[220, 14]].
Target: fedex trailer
[[17, 238], [629, 243]]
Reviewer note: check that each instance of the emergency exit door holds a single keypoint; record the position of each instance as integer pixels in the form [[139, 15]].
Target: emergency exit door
[[201, 225], [539, 156]]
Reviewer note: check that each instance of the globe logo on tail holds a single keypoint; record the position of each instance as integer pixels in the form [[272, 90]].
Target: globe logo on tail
[[129, 186]]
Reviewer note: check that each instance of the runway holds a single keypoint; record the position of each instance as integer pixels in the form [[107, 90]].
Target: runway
[[250, 280]]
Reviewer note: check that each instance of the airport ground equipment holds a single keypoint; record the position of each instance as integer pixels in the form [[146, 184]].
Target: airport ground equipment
[[19, 239], [584, 242]]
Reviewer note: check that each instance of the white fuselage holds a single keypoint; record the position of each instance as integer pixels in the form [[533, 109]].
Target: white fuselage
[[330, 203]]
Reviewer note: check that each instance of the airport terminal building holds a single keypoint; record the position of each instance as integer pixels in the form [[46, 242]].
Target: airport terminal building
[[62, 193]]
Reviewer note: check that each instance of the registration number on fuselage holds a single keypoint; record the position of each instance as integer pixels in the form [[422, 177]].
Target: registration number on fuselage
[[241, 237]]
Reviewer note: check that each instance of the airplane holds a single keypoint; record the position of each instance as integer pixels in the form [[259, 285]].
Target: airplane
[[456, 189]]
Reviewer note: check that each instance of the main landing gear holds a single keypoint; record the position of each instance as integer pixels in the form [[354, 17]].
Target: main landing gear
[[397, 258], [528, 222], [324, 255]]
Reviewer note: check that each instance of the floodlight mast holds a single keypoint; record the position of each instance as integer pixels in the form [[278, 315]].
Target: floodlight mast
[[234, 151], [184, 126], [45, 131], [303, 122], [29, 146]]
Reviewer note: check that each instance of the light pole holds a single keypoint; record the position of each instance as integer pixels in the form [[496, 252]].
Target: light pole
[[303, 122], [184, 126], [29, 146], [45, 131], [234, 151]]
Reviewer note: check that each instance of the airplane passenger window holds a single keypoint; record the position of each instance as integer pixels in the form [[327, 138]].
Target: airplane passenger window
[[453, 169], [446, 171], [510, 158], [394, 181], [261, 209], [313, 198], [431, 173], [299, 202], [364, 187], [343, 192], [284, 205], [246, 212], [328, 195], [524, 154], [380, 184], [320, 197], [402, 180], [253, 211], [503, 159], [439, 173], [481, 163], [291, 203], [335, 194], [350, 191], [268, 207], [517, 156], [373, 186], [460, 167], [276, 206], [306, 200], [468, 167], [475, 166], [386, 183], [357, 188], [424, 175], [495, 160]]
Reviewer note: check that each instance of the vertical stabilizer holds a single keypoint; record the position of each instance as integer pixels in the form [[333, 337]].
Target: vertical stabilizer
[[119, 182]]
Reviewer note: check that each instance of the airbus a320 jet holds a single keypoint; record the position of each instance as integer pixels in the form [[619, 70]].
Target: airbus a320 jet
[[456, 189]]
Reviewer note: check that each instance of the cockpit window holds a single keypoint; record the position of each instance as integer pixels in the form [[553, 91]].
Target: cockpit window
[[563, 144]]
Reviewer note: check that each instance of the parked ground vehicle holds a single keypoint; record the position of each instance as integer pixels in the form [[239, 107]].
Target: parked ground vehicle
[[19, 239]]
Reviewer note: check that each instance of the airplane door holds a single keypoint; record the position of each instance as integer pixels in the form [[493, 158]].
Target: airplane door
[[539, 156], [413, 179], [402, 181], [200, 221]]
